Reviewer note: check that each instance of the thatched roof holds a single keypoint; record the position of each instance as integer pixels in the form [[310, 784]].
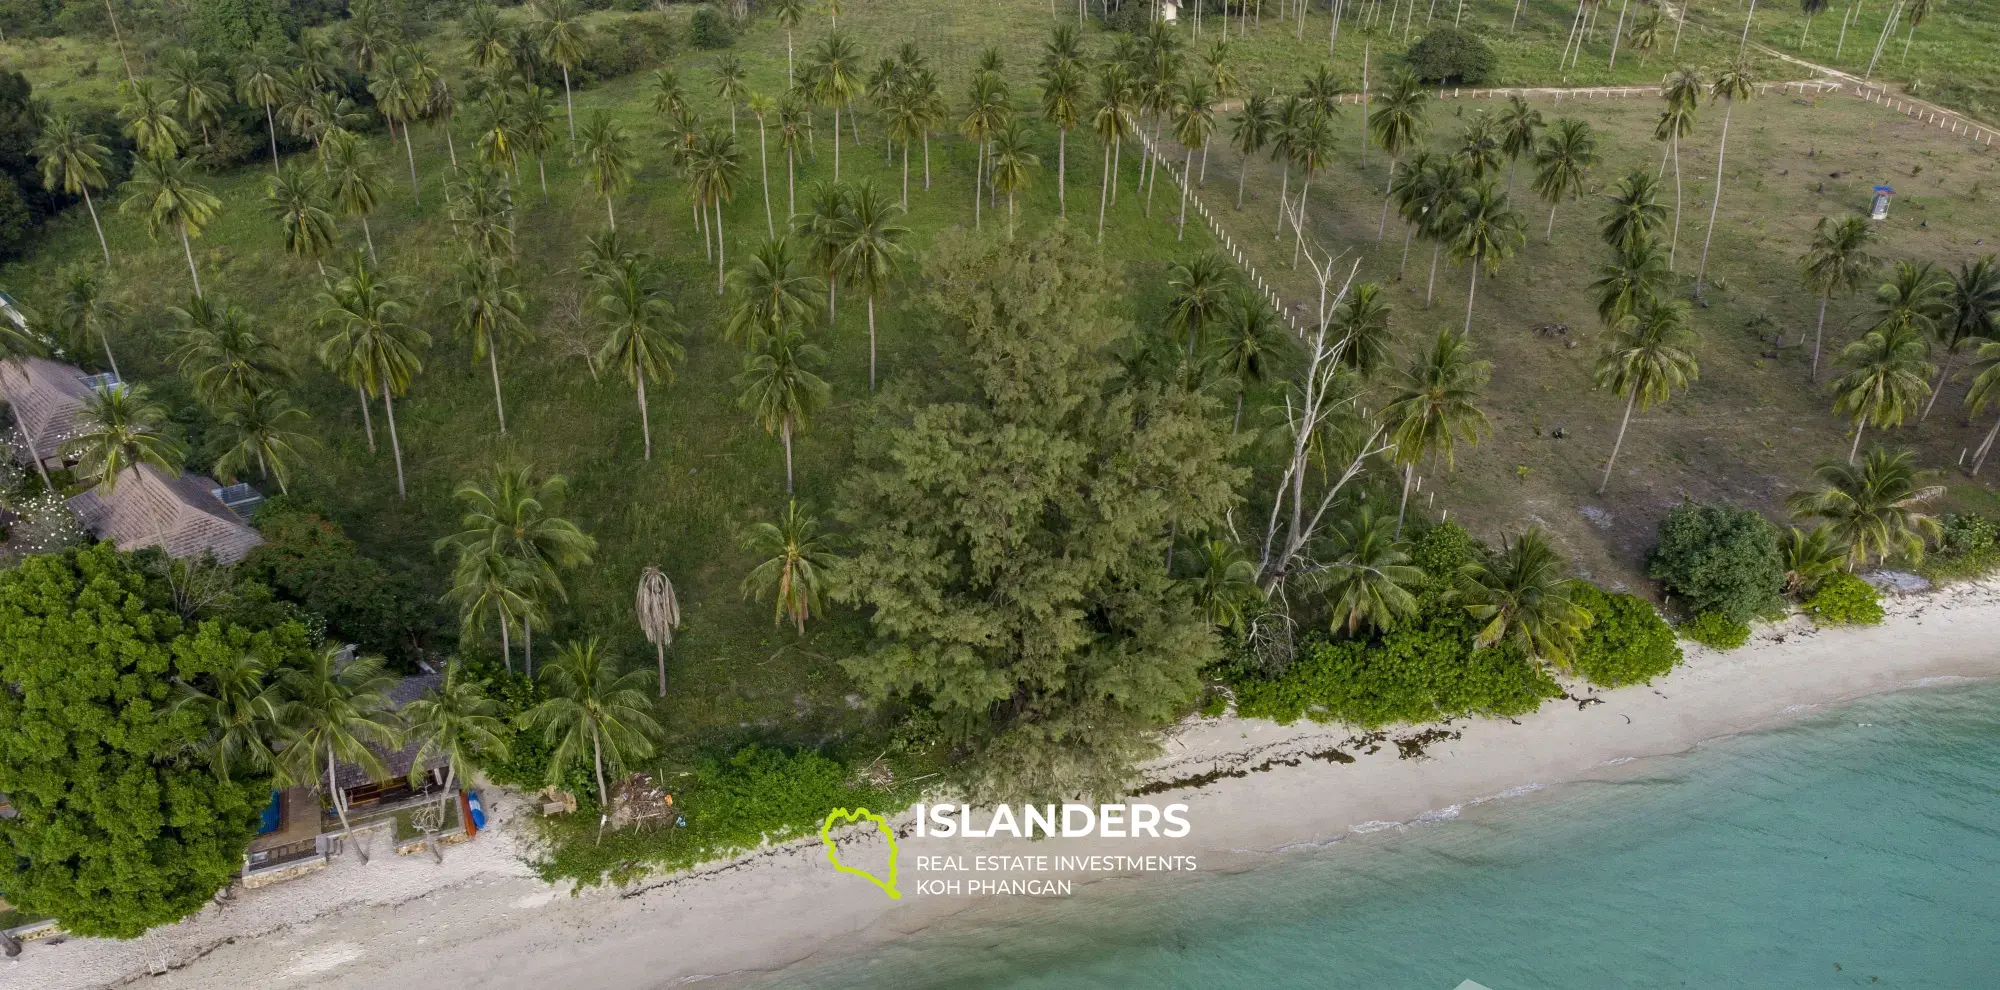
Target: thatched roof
[[398, 763], [46, 397], [180, 515]]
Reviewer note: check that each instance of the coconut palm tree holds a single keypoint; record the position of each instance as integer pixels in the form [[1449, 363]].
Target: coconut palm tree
[[489, 585], [151, 119], [762, 107], [825, 227], [1985, 392], [909, 121], [1062, 107], [496, 122], [1836, 261], [196, 88], [1199, 295], [1733, 86], [1312, 148], [85, 315], [16, 343], [371, 345], [482, 211], [1486, 230], [535, 131], [489, 309], [659, 612], [240, 712], [780, 390], [1396, 125], [1111, 120], [789, 15], [1917, 296], [1811, 556], [1251, 344], [1634, 211], [1562, 166], [1890, 378], [368, 34], [399, 97], [1635, 275], [1249, 133], [1520, 127], [1645, 356], [1224, 585], [1523, 597], [559, 24], [731, 85], [607, 159], [1810, 8], [1013, 166], [1435, 403], [357, 182], [871, 252], [834, 75], [221, 353], [1430, 210], [72, 162], [592, 704], [793, 120], [1876, 507], [1974, 298], [120, 428], [515, 516], [1682, 92], [265, 428], [1361, 323], [336, 711], [163, 193], [1479, 148], [458, 724], [1367, 576], [797, 566], [715, 171], [988, 111], [773, 290], [639, 326], [296, 198], [1194, 122]]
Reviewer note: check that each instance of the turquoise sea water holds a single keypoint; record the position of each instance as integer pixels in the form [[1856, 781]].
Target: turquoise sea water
[[1860, 847]]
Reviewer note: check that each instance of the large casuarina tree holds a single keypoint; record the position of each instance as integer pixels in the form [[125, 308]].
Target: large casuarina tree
[[123, 825], [1011, 539]]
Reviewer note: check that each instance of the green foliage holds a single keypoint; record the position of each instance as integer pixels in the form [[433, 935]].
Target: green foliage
[[759, 795], [231, 27], [1628, 644], [1717, 558], [1446, 54], [710, 28], [307, 559], [1845, 600], [526, 763], [121, 825], [1011, 546], [1443, 549], [1968, 547], [1717, 630]]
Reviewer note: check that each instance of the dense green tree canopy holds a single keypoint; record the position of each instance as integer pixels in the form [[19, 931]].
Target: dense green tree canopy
[[122, 826], [1012, 542]]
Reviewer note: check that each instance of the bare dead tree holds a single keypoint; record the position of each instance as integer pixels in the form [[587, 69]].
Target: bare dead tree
[[659, 615]]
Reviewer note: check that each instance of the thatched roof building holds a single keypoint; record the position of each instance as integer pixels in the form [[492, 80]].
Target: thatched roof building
[[181, 515], [46, 397]]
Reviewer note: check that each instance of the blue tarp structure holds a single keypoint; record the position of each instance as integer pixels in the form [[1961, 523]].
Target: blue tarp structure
[[272, 818]]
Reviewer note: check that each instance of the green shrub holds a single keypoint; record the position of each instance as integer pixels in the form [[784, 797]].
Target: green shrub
[[1718, 558], [1968, 548], [1629, 643], [1716, 630], [1442, 549], [1845, 600], [711, 29], [1447, 54], [307, 559]]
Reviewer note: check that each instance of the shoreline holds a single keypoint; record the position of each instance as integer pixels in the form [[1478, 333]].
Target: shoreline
[[1267, 790]]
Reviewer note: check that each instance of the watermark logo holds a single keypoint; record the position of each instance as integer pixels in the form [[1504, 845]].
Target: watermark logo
[[842, 816]]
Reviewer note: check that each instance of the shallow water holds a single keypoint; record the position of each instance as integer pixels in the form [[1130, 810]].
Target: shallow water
[[1858, 847]]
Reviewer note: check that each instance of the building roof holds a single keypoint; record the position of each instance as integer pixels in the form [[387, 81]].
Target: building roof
[[180, 515], [398, 763], [46, 397]]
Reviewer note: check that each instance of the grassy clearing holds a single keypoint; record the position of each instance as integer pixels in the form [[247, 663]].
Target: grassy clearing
[[1751, 429]]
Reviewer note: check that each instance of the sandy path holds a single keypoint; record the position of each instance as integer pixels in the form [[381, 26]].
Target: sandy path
[[404, 922]]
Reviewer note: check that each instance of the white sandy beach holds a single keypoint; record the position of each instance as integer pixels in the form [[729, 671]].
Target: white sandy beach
[[482, 917]]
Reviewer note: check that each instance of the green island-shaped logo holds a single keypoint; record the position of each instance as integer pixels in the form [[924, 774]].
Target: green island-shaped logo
[[842, 816]]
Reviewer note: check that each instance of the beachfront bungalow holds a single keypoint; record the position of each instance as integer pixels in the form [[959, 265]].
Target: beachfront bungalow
[[184, 515], [360, 791], [45, 397]]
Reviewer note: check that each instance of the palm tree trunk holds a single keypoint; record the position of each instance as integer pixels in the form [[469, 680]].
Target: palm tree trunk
[[40, 468], [764, 167], [871, 341], [836, 144], [660, 654], [450, 778], [189, 248], [1701, 270], [1284, 200], [1618, 33], [1674, 243], [493, 362], [906, 175], [1843, 32], [1432, 287], [1409, 470], [1820, 330], [1408, 235], [101, 242], [721, 257], [1859, 425], [1549, 235], [791, 186], [410, 151], [506, 645], [340, 808], [542, 171], [1103, 193], [1949, 356], [271, 129], [528, 645], [1152, 152], [366, 234], [1062, 173], [788, 85], [395, 442], [1186, 167], [611, 214], [1242, 172], [570, 102], [1985, 446], [115, 33], [1117, 152], [785, 435], [978, 174], [597, 760], [450, 148], [1620, 442], [366, 422], [645, 420], [1469, 295], [1202, 179], [1382, 226], [1010, 214], [1236, 425]]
